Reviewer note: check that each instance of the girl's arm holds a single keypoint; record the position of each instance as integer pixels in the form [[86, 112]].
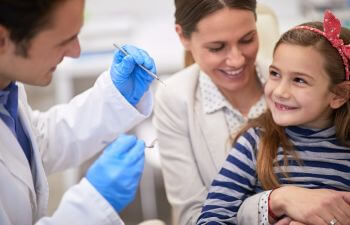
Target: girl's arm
[[235, 181]]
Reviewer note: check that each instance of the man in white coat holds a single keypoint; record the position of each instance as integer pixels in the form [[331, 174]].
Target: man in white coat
[[35, 35]]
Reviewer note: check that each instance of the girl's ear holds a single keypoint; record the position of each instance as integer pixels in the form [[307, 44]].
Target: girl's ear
[[184, 40], [341, 95]]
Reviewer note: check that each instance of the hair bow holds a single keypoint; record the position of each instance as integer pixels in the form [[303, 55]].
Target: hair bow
[[332, 29]]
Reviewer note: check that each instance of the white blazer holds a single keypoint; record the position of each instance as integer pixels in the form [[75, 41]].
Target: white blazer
[[63, 137], [193, 145]]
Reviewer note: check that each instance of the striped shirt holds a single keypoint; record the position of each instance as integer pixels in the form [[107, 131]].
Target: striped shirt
[[325, 164]]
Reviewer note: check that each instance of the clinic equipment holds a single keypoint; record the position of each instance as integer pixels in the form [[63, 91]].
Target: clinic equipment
[[144, 68], [153, 143]]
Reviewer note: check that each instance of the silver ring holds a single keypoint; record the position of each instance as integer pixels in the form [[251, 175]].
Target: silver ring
[[333, 222]]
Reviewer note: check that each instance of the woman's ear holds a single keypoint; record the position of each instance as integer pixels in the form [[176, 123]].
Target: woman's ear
[[184, 40], [341, 95]]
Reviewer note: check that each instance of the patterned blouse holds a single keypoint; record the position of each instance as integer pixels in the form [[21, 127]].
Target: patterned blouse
[[213, 100]]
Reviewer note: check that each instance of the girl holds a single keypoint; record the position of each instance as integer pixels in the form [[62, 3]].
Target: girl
[[302, 140]]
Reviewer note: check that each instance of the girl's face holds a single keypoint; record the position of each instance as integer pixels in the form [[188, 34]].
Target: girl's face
[[225, 46], [297, 91]]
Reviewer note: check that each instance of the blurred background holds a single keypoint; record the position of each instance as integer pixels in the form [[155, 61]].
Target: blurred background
[[149, 25]]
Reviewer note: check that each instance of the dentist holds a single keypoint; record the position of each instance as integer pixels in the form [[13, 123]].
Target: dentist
[[35, 36]]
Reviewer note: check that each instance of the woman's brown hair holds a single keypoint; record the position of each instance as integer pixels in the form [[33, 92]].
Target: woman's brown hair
[[273, 136], [188, 13]]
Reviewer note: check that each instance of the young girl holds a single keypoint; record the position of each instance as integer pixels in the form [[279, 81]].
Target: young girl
[[302, 140]]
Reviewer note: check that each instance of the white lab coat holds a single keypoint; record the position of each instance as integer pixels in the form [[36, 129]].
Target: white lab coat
[[63, 137]]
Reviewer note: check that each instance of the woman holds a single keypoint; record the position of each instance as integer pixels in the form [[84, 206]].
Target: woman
[[202, 105]]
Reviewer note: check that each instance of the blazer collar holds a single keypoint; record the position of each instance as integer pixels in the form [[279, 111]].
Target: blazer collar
[[215, 132]]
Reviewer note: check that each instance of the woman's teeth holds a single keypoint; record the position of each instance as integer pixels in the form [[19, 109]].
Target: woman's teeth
[[233, 72]]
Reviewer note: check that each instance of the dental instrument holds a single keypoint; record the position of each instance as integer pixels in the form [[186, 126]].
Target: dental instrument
[[144, 68]]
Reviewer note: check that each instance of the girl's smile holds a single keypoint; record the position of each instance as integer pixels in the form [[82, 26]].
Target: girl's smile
[[297, 91]]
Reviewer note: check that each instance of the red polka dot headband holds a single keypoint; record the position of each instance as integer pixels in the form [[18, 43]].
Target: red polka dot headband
[[332, 28]]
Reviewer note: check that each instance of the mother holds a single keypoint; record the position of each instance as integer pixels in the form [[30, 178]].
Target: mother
[[202, 105]]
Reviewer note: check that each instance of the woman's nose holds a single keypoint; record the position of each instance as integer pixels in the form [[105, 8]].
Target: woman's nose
[[235, 58]]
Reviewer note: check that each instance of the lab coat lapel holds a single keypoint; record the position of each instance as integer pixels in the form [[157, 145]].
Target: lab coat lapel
[[40, 179], [14, 158], [215, 133]]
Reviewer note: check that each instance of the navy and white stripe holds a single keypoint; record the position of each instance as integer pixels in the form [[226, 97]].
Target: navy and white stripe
[[325, 164]]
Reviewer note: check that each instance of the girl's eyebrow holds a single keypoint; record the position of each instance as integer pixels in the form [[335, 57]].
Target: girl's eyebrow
[[294, 72], [273, 67]]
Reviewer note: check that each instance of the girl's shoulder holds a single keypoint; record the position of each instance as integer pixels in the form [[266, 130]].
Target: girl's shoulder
[[250, 138]]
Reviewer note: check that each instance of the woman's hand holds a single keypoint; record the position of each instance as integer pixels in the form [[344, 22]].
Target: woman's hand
[[284, 221], [311, 206], [288, 221]]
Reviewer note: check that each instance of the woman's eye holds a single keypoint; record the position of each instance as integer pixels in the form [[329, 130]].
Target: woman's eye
[[247, 40], [216, 49]]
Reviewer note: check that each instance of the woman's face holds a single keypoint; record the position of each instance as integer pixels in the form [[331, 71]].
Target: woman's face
[[225, 46]]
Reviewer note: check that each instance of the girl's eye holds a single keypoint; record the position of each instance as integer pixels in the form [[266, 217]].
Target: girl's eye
[[274, 73], [299, 80]]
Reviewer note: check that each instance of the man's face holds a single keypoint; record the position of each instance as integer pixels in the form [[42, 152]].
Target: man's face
[[46, 50]]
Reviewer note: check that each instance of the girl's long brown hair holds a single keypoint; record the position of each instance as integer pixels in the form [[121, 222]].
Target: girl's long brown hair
[[272, 135]]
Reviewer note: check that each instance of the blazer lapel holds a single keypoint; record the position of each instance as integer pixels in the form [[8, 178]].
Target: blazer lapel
[[215, 133]]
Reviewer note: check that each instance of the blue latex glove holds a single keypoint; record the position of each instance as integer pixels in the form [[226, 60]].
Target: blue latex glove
[[130, 79], [117, 172]]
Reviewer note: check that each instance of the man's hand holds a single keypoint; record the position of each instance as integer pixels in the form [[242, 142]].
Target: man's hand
[[117, 172]]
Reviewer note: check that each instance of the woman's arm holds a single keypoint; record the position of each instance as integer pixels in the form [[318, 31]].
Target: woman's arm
[[248, 213], [311, 206]]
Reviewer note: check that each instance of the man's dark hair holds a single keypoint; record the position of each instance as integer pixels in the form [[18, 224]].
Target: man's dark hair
[[26, 18]]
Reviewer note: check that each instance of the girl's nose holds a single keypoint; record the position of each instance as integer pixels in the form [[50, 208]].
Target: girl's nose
[[282, 90]]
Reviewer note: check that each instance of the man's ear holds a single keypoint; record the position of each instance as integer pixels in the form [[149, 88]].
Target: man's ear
[[341, 95], [4, 38], [184, 40]]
